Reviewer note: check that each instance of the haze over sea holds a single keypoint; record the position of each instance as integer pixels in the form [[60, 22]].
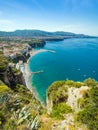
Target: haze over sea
[[75, 59]]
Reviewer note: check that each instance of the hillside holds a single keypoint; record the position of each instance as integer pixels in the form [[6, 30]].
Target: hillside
[[70, 106], [74, 104], [40, 33]]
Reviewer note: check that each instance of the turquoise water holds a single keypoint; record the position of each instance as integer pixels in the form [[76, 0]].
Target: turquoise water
[[75, 59]]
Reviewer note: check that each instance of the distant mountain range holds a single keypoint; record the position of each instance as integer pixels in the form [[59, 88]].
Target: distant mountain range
[[40, 33]]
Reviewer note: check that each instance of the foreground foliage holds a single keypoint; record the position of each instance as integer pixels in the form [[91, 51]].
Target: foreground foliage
[[18, 111], [60, 110], [89, 114], [88, 104]]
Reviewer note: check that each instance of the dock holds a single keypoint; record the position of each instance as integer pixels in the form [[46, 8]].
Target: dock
[[51, 51], [37, 72]]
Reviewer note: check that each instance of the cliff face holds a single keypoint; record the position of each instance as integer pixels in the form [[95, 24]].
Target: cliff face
[[74, 94], [49, 104], [23, 57], [19, 108], [37, 43], [11, 79], [7, 74], [71, 104]]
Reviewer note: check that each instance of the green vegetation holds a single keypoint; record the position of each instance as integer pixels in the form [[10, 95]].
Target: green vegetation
[[71, 83], [19, 108], [15, 71], [18, 111], [4, 88], [89, 113], [90, 82], [88, 104], [58, 92], [39, 33], [60, 110], [3, 63], [1, 83], [25, 112], [89, 116]]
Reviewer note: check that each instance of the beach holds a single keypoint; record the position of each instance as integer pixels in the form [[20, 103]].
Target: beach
[[27, 73], [34, 52]]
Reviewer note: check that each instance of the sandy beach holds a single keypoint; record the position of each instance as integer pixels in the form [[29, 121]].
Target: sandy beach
[[34, 52], [27, 73]]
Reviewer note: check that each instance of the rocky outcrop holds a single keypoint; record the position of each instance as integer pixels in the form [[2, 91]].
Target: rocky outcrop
[[70, 96], [74, 94], [61, 92], [23, 57], [49, 105], [10, 79], [37, 43]]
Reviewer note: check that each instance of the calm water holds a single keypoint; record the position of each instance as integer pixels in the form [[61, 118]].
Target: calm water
[[75, 59]]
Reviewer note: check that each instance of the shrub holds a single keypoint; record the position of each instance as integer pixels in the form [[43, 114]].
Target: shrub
[[59, 110], [3, 63], [4, 88], [90, 82], [71, 83], [89, 116], [2, 118]]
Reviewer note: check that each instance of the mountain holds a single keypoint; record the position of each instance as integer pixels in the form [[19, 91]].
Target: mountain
[[39, 33]]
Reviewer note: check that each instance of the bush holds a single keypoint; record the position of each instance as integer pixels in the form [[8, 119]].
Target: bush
[[94, 95], [90, 82], [71, 83], [3, 63], [4, 88], [59, 110], [89, 116], [15, 71], [2, 118], [58, 92], [1, 83]]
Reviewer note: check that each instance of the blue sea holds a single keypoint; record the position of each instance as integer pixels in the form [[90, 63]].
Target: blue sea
[[75, 59]]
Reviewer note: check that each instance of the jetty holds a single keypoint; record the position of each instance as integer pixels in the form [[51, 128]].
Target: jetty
[[51, 51], [37, 72]]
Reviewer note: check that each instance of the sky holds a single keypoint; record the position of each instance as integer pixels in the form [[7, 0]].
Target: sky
[[78, 16]]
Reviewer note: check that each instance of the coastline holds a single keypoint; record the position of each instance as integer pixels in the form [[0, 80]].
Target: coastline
[[34, 52], [27, 73]]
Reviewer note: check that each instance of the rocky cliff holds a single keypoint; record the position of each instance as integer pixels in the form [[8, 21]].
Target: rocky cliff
[[10, 78], [70, 104]]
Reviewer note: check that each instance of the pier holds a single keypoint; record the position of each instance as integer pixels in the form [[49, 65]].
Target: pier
[[51, 51], [37, 72]]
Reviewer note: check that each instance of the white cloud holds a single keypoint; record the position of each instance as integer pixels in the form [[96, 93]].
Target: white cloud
[[5, 22], [6, 25]]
